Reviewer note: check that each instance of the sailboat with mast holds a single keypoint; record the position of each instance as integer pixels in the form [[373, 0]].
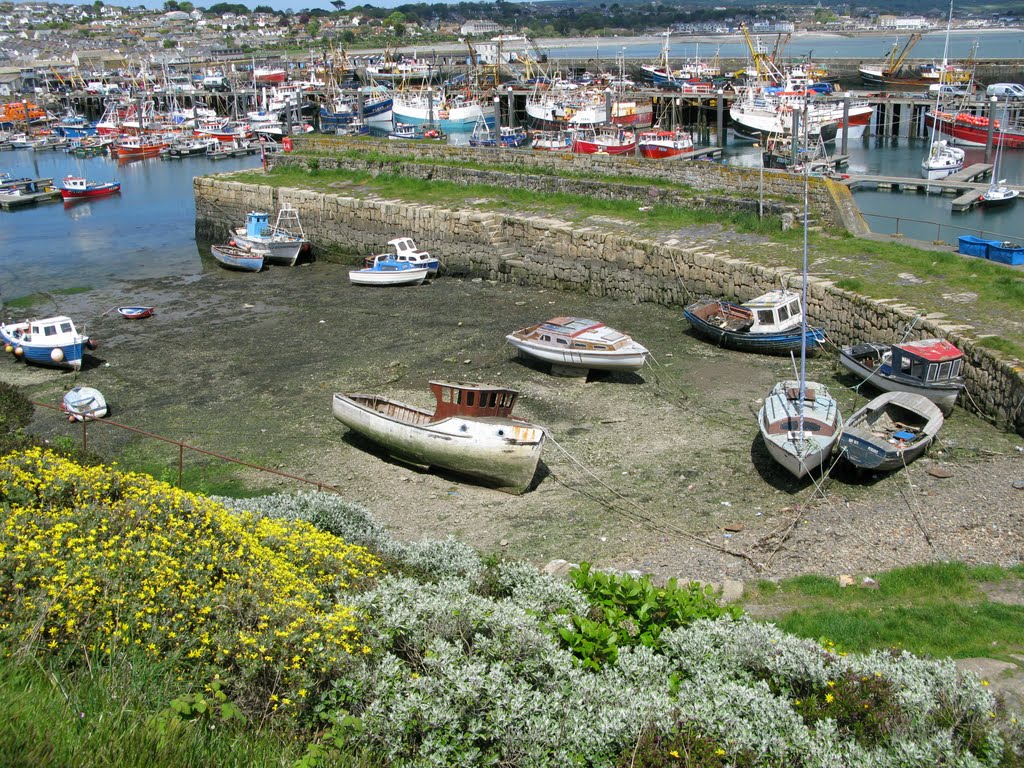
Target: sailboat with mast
[[800, 421], [998, 193], [943, 159]]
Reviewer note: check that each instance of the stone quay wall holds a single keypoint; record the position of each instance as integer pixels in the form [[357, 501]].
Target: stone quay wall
[[698, 184], [544, 252]]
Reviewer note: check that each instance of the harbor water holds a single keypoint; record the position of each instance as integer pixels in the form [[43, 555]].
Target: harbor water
[[147, 230]]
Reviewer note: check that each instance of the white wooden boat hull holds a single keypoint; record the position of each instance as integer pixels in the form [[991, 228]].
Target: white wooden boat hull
[[283, 251], [777, 419], [502, 453], [631, 358], [384, 277], [82, 403]]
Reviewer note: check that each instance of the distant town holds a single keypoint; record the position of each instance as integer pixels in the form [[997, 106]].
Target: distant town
[[43, 44]]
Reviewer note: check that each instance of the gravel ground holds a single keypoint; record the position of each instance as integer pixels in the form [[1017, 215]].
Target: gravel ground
[[661, 471]]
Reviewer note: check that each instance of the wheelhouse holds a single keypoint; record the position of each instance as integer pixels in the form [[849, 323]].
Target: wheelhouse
[[472, 400], [775, 312], [931, 361]]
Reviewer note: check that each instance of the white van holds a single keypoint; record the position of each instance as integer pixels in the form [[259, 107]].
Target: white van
[[1006, 90]]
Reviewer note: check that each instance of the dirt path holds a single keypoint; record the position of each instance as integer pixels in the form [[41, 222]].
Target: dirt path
[[643, 471]]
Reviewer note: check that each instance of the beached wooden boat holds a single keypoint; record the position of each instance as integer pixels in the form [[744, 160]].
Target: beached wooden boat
[[136, 313], [81, 403], [471, 432], [233, 257], [800, 426], [50, 341], [575, 343], [770, 324], [929, 367], [389, 272], [890, 431]]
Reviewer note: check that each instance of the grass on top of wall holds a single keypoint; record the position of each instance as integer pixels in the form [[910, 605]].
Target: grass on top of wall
[[569, 207]]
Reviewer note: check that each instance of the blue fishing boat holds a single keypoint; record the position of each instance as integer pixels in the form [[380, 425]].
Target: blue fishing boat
[[281, 243], [50, 341], [404, 249], [233, 257], [770, 324]]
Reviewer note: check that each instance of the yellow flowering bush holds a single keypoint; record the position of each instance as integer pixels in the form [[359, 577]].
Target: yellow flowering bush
[[95, 562]]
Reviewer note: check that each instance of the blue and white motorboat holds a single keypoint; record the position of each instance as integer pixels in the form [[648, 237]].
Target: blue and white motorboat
[[404, 249], [281, 243], [771, 324], [389, 272], [50, 341]]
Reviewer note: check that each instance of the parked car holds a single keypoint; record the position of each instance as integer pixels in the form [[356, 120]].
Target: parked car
[[1006, 90]]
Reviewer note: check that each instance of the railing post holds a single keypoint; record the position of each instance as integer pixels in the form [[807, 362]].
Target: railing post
[[85, 436], [181, 461]]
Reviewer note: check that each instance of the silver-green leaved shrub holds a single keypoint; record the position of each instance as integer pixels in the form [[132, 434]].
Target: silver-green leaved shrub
[[468, 669]]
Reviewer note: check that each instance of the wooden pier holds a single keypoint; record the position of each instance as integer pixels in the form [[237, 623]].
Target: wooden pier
[[963, 184]]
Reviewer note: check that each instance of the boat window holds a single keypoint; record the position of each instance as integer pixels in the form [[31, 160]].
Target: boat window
[[545, 337], [944, 370], [65, 327], [956, 368], [446, 395], [904, 364], [494, 399], [600, 346], [783, 312], [49, 330], [579, 345], [933, 369], [562, 341], [765, 317], [457, 396], [469, 399]]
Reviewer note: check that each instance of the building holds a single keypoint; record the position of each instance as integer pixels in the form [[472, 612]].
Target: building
[[480, 27]]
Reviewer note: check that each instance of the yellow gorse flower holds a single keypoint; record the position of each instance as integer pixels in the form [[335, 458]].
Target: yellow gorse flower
[[103, 560]]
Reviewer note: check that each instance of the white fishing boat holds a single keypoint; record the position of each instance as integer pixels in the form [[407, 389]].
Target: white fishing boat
[[403, 249], [281, 243], [50, 341], [572, 344], [470, 431], [928, 367]]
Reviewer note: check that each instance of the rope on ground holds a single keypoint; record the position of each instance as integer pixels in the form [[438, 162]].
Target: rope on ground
[[631, 509], [915, 510]]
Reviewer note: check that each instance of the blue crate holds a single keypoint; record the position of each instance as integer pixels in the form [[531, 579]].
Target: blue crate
[[976, 246], [1007, 253]]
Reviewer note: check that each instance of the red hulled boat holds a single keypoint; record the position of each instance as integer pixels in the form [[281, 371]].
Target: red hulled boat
[[76, 187], [607, 141], [971, 130], [657, 145]]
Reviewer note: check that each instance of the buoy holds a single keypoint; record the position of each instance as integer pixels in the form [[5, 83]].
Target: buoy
[[90, 344], [8, 348], [57, 355], [18, 351]]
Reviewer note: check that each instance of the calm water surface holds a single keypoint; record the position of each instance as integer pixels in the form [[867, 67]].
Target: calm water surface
[[149, 229]]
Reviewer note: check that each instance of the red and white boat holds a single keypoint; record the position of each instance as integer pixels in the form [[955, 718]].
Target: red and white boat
[[269, 75], [658, 145], [76, 187], [130, 147], [970, 130], [606, 141], [223, 130]]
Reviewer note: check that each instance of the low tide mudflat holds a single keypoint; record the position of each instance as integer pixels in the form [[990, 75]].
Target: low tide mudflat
[[662, 471]]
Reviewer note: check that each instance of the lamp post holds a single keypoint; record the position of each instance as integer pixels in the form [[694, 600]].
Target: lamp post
[[497, 120]]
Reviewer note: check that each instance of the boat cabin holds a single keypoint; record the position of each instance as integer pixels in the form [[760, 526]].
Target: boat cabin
[[57, 330], [75, 184], [257, 224], [931, 361], [775, 312], [405, 249], [475, 401], [577, 333]]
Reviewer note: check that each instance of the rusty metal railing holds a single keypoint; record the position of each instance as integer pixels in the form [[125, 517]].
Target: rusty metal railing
[[182, 447]]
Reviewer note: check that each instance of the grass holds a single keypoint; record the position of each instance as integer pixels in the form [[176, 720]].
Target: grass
[[216, 478], [104, 719], [25, 302], [939, 609]]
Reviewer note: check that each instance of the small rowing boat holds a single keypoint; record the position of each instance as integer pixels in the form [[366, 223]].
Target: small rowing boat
[[136, 313]]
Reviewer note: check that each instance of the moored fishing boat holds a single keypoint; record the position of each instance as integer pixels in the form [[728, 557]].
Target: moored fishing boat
[[575, 343], [771, 324], [929, 367], [49, 341], [471, 431], [75, 187], [658, 144], [890, 431], [970, 130], [552, 141], [135, 146], [604, 141], [281, 243]]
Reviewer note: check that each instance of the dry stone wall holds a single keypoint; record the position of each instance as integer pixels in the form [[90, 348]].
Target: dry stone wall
[[534, 250]]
